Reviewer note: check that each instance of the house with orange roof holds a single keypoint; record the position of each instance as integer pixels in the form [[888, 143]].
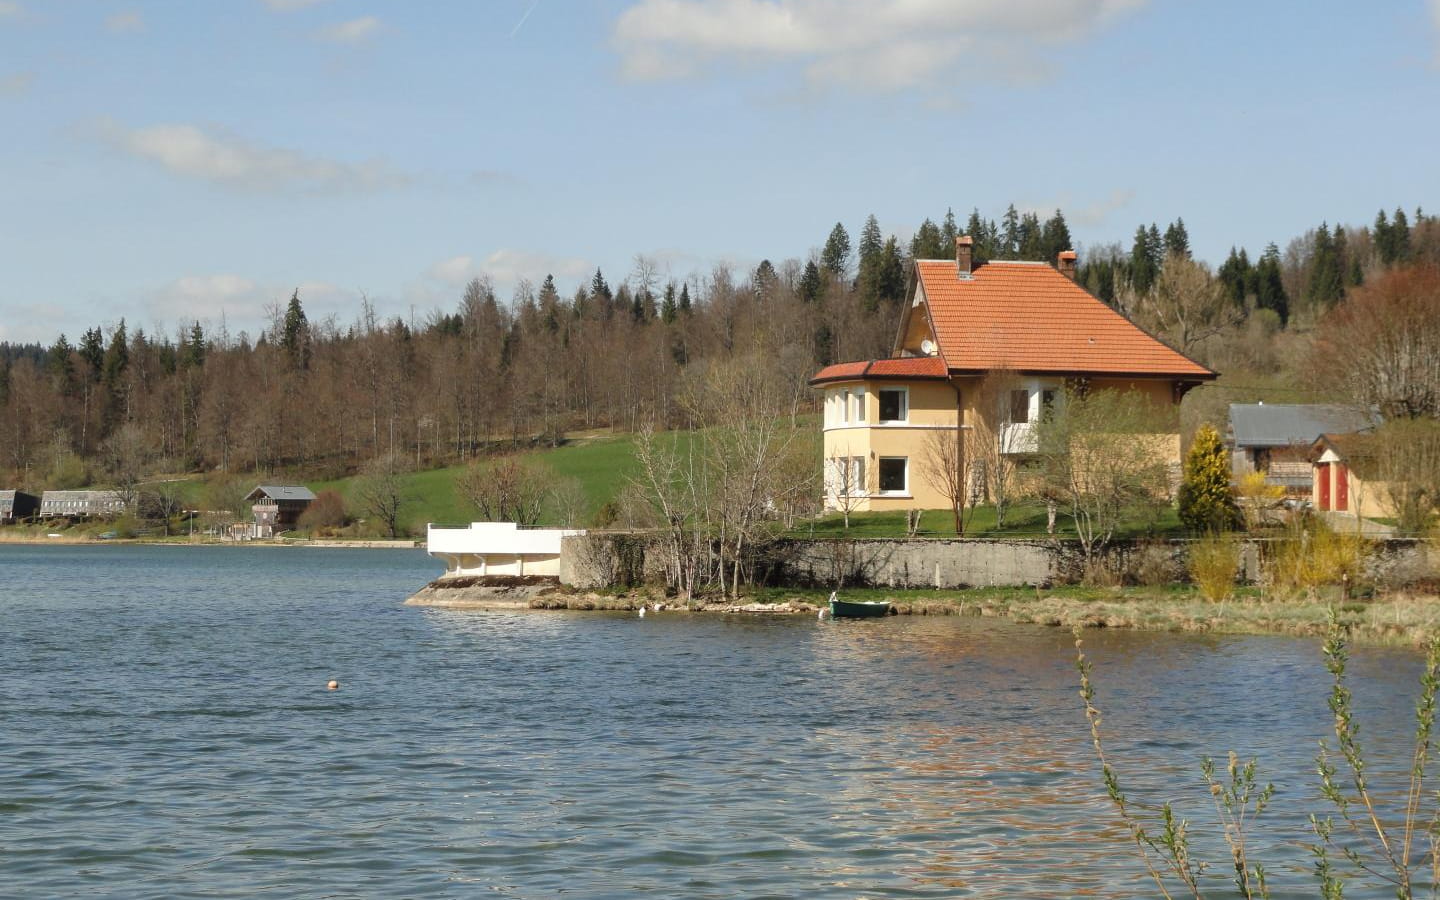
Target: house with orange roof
[[963, 323]]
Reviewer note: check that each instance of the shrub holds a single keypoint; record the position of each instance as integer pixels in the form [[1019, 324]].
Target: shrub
[[1213, 562], [1312, 555], [326, 511], [1206, 503]]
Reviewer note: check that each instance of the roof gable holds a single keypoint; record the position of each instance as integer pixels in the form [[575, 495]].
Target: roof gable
[[281, 492], [1029, 317]]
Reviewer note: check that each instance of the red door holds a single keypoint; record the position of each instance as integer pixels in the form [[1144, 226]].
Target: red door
[[1324, 472], [1342, 487]]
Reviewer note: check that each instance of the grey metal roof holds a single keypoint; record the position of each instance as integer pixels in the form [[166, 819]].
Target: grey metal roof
[[282, 492], [1284, 424]]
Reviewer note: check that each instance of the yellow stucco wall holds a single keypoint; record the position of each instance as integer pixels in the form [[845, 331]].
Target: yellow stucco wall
[[933, 405]]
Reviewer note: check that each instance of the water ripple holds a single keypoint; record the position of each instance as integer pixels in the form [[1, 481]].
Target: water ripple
[[164, 732]]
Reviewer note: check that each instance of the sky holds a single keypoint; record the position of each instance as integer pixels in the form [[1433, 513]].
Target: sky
[[170, 161]]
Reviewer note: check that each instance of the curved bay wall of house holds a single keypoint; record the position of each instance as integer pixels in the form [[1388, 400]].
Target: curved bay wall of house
[[880, 430]]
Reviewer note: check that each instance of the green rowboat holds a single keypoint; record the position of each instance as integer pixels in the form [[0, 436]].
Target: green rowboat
[[851, 609]]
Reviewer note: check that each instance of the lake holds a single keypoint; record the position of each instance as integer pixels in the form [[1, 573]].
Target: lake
[[165, 731]]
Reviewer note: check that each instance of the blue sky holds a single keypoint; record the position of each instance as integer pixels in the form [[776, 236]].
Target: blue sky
[[173, 160]]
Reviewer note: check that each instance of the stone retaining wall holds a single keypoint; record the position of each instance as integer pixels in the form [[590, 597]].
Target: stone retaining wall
[[624, 559]]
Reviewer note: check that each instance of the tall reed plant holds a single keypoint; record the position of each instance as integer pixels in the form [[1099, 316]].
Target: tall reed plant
[[1364, 839]]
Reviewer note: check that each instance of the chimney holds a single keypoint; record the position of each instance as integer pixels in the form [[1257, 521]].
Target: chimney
[[964, 256], [1065, 262]]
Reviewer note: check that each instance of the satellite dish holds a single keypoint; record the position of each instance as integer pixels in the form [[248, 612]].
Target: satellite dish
[[927, 347]]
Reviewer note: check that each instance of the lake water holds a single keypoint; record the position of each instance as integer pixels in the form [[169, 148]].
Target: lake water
[[165, 732]]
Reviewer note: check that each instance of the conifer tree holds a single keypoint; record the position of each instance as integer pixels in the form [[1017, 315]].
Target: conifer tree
[[928, 244], [1032, 246], [1400, 235], [835, 257], [811, 285], [870, 240], [1206, 503], [92, 352], [1007, 244], [1269, 287], [669, 310], [59, 362], [1144, 267], [1235, 275], [685, 299], [949, 231], [1325, 285], [1384, 239], [295, 339], [1177, 239], [1055, 237]]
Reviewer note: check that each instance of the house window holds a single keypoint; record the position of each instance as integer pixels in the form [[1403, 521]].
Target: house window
[[894, 475], [844, 407], [856, 485], [894, 404], [1019, 407], [1047, 404], [860, 406]]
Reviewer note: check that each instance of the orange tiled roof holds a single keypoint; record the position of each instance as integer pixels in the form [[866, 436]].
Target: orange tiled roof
[[898, 368], [1030, 318]]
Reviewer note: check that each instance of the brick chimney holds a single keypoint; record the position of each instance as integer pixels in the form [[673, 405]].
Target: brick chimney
[[964, 256], [1065, 262]]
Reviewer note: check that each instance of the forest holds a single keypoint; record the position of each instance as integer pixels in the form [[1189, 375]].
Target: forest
[[319, 399]]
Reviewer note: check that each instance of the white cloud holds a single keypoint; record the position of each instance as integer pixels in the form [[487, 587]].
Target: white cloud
[[243, 303], [16, 85], [125, 22], [290, 5], [353, 32], [876, 45], [223, 158], [507, 266]]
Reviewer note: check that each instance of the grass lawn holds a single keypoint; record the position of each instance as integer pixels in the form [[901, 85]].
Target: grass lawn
[[602, 465], [1027, 521]]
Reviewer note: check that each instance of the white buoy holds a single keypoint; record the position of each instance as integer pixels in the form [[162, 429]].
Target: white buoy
[[822, 613], [642, 610], [332, 685]]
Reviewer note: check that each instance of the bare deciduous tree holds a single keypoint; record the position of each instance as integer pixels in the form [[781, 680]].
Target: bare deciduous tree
[[381, 490], [1382, 344], [1104, 455], [508, 489], [944, 463], [1187, 305]]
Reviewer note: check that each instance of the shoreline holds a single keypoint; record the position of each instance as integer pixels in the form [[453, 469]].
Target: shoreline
[[1398, 619], [339, 544]]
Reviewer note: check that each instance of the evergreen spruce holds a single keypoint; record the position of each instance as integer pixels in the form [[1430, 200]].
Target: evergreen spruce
[[1055, 237], [1177, 239], [1007, 244], [871, 240], [928, 243], [1325, 285], [685, 299], [1206, 503], [1400, 235], [949, 231], [811, 286], [669, 310], [835, 257], [1236, 276], [295, 339], [1269, 286], [1144, 267]]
